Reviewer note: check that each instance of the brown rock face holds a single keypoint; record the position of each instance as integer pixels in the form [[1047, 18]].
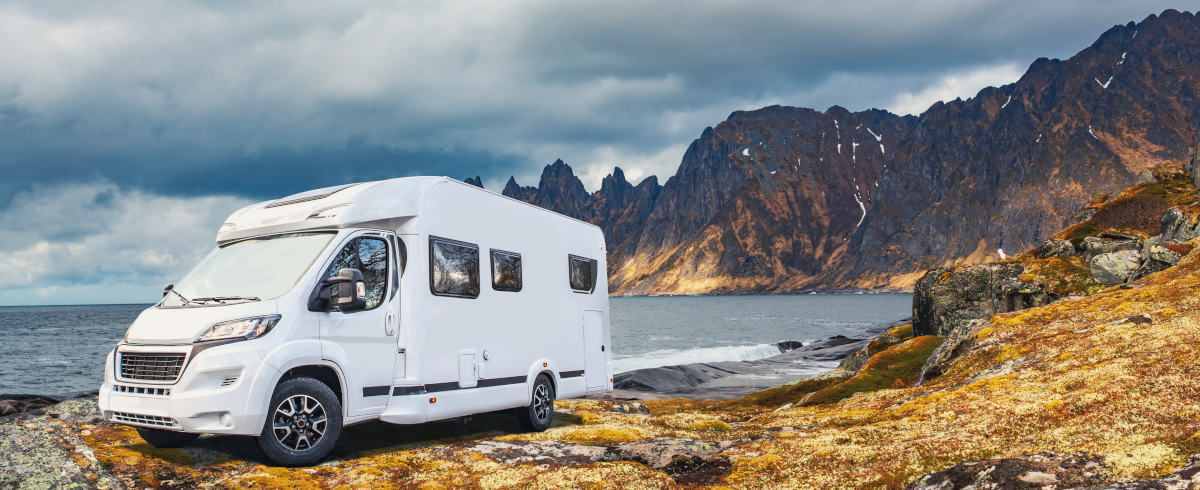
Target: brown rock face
[[786, 199]]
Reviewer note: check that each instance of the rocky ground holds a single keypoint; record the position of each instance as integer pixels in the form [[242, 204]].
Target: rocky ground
[[1090, 386], [1094, 391]]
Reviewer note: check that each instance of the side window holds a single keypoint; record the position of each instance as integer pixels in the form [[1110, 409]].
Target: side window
[[369, 256], [453, 268], [506, 270], [582, 271]]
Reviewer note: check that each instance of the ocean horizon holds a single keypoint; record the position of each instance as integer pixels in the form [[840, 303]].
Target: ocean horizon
[[647, 331]]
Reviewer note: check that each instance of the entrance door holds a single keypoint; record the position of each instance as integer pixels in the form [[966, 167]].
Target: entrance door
[[366, 339], [595, 352]]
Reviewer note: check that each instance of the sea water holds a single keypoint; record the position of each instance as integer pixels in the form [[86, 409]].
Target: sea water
[[671, 330], [61, 349]]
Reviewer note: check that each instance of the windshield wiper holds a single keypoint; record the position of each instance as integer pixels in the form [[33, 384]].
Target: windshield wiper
[[185, 300], [222, 299]]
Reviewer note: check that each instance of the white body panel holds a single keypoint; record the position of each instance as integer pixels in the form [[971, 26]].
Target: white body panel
[[471, 355]]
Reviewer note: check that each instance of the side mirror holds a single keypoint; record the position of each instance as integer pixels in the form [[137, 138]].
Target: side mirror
[[351, 291], [346, 291]]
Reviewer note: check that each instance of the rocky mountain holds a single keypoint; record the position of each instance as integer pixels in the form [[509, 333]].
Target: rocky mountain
[[788, 199]]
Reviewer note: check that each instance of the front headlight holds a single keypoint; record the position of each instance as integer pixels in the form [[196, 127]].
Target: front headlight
[[246, 328]]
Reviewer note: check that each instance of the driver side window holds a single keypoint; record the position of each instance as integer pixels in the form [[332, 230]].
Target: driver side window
[[370, 256]]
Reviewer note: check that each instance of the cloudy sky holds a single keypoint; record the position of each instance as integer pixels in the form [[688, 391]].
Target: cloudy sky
[[129, 130]]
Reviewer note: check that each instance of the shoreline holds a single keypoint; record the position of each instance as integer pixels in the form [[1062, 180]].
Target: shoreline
[[731, 379], [702, 380], [697, 295]]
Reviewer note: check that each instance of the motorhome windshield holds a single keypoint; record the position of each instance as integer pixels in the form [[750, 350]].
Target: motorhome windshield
[[249, 270]]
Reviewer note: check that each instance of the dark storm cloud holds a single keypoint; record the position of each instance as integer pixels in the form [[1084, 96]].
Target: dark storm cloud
[[259, 174], [234, 97], [129, 130]]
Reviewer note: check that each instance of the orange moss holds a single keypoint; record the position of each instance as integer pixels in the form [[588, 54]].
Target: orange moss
[[602, 435], [1065, 377], [1137, 209], [902, 332]]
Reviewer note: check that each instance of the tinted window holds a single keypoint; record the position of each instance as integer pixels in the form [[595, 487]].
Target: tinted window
[[582, 272], [506, 271], [369, 256], [453, 268]]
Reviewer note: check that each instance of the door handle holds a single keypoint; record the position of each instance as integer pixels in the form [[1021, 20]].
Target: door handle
[[388, 324]]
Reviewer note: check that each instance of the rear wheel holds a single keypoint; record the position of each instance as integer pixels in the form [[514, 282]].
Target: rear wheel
[[536, 417], [303, 424], [166, 438]]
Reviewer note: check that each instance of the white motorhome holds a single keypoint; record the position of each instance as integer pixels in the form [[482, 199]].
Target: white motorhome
[[406, 300]]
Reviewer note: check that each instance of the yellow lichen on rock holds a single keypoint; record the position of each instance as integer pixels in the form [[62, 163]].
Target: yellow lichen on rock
[[1070, 376]]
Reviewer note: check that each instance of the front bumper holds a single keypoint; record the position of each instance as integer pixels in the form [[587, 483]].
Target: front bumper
[[220, 390]]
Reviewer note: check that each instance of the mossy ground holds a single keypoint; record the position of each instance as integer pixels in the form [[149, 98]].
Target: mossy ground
[[1061, 276], [897, 367], [1138, 209], [1062, 378], [1055, 378]]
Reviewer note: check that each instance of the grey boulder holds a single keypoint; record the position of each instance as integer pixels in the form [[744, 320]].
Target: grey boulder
[[1177, 226], [1054, 248], [1114, 268], [1156, 250], [1097, 246]]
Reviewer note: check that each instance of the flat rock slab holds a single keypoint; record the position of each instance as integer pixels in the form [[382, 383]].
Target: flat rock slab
[[688, 461], [1029, 471], [1187, 476], [12, 406], [1049, 470], [44, 451], [732, 379], [655, 453]]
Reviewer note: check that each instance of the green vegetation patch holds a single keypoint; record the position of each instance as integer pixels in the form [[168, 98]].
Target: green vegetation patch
[[794, 392], [889, 339], [897, 367]]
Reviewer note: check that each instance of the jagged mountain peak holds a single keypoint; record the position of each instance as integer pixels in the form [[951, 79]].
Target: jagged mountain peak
[[615, 182], [789, 198], [651, 181], [511, 186]]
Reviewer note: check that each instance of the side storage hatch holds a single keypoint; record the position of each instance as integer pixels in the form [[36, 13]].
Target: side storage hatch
[[467, 377]]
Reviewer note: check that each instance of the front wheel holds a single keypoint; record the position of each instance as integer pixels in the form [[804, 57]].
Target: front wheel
[[303, 424], [165, 438], [536, 417]]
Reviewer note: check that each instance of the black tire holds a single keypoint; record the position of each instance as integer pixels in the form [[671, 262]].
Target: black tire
[[311, 430], [166, 438], [537, 416]]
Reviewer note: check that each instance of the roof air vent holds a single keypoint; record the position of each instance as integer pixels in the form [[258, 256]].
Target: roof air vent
[[306, 196]]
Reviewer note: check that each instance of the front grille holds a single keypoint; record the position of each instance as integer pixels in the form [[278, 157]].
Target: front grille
[[135, 418], [151, 367], [142, 390]]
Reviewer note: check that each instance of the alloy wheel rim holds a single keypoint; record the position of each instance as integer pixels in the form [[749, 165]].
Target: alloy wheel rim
[[299, 422], [542, 404]]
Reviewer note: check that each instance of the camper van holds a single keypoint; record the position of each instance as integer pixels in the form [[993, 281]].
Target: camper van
[[405, 300]]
